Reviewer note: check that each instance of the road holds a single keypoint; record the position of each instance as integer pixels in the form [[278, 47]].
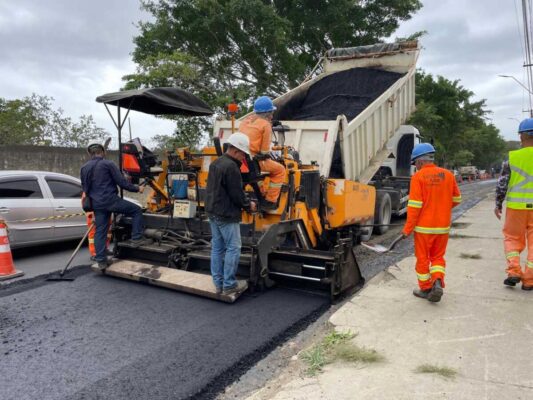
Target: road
[[104, 338]]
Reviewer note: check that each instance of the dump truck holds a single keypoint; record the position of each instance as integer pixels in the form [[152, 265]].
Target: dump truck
[[331, 137]]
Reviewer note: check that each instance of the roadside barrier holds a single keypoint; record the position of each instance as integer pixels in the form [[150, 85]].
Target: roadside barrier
[[7, 269]]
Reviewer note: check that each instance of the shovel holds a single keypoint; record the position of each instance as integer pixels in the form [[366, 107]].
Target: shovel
[[60, 277], [380, 249]]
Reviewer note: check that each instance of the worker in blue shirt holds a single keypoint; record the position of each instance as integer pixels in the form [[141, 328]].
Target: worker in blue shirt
[[99, 179]]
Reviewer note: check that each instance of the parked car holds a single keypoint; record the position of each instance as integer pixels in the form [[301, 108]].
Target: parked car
[[33, 202]]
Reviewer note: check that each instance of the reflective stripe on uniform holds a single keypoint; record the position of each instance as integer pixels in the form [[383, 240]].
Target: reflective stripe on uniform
[[512, 254], [423, 277], [432, 231], [437, 268], [520, 197], [91, 240], [457, 199], [276, 184], [415, 203], [530, 264]]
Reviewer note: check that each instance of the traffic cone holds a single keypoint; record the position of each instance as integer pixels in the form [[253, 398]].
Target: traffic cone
[[7, 269]]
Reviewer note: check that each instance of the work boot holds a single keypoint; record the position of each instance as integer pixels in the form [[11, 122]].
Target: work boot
[[140, 242], [218, 289], [102, 265], [436, 292], [239, 287], [423, 294], [524, 287], [512, 281], [268, 206]]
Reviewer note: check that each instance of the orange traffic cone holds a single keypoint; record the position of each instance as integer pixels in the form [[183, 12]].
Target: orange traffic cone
[[7, 269]]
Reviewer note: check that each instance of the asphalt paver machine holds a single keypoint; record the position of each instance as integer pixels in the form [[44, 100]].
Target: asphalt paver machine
[[308, 240]]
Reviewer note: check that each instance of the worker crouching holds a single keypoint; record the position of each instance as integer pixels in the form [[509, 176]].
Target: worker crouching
[[432, 195]]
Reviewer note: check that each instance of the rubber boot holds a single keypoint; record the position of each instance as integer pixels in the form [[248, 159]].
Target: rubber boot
[[423, 294], [511, 280]]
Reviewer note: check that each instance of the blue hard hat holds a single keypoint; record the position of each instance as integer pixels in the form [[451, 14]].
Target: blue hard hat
[[263, 104], [526, 126], [422, 149]]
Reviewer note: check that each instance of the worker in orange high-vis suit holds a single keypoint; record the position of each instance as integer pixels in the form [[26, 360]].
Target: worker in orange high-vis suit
[[432, 195], [90, 219], [258, 128], [515, 186]]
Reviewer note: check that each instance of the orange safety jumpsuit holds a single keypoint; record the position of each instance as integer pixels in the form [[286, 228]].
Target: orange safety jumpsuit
[[259, 131], [432, 195], [518, 228], [90, 219]]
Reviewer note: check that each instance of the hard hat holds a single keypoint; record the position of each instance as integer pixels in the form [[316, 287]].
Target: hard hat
[[263, 104], [240, 141], [104, 145], [95, 144], [421, 149], [526, 126]]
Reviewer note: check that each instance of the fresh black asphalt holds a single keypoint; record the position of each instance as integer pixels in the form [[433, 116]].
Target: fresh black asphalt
[[105, 338]]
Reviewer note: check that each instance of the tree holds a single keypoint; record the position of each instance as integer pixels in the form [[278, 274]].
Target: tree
[[221, 49], [33, 120], [457, 125]]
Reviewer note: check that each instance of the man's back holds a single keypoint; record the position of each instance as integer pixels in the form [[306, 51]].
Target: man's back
[[435, 190], [259, 131]]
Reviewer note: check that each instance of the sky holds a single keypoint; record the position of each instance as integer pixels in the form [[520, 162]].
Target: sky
[[74, 51]]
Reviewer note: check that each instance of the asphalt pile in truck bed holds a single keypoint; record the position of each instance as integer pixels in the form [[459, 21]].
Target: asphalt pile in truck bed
[[347, 92]]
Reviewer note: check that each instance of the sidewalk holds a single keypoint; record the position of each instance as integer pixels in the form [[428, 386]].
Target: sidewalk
[[481, 329]]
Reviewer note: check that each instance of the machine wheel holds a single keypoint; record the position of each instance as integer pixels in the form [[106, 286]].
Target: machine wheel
[[383, 212]]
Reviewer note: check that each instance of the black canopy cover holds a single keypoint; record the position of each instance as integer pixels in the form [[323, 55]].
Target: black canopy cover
[[158, 101]]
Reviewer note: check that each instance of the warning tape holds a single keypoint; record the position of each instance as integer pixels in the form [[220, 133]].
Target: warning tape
[[50, 218]]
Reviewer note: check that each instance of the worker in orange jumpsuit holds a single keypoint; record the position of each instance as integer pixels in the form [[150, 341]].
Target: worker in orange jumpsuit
[[432, 195], [258, 128], [90, 219], [515, 186]]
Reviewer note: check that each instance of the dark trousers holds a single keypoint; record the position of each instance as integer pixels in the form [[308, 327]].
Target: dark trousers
[[102, 215]]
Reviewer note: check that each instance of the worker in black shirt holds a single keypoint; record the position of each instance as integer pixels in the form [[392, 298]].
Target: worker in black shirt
[[225, 200]]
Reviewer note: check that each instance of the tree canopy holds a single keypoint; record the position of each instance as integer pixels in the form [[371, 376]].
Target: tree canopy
[[458, 126], [225, 49], [33, 120]]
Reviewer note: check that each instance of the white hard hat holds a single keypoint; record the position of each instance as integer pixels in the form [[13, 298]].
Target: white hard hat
[[240, 141]]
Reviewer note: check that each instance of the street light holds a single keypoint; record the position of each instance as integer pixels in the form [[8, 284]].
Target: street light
[[517, 81]]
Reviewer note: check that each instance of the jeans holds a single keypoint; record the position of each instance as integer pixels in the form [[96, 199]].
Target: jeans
[[102, 216], [225, 252]]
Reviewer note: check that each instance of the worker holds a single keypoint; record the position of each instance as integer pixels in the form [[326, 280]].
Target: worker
[[515, 185], [258, 128], [99, 179], [432, 195], [224, 201]]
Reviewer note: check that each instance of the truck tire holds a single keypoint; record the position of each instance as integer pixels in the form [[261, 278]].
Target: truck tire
[[383, 212]]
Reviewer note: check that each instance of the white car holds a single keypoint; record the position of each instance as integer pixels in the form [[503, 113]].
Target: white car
[[41, 207]]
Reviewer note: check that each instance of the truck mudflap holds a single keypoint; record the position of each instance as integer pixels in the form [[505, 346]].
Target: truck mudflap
[[170, 278]]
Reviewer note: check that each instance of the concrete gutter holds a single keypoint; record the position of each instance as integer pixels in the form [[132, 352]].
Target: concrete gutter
[[481, 329]]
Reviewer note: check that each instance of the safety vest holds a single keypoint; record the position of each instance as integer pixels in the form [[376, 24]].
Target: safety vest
[[520, 189]]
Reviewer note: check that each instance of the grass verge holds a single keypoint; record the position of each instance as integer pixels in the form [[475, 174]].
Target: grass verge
[[445, 372], [337, 346]]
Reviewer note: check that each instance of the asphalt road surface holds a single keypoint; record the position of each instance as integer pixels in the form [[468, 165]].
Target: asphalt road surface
[[105, 338]]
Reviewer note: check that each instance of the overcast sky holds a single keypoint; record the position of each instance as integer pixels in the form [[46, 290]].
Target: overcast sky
[[74, 51]]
